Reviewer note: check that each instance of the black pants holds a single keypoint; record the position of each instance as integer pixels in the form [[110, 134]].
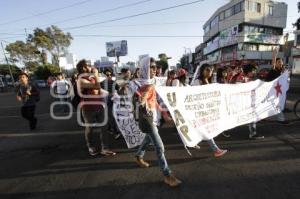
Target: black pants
[[28, 113]]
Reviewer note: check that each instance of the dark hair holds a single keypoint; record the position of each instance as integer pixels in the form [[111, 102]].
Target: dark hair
[[124, 70], [135, 72], [23, 73], [249, 68], [81, 64], [158, 67], [182, 79], [220, 74], [172, 72], [107, 70], [152, 60], [278, 58], [202, 69]]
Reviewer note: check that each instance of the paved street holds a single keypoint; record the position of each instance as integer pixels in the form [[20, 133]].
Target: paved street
[[52, 162]]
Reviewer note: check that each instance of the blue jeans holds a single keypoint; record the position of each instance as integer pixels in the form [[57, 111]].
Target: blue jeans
[[153, 136]]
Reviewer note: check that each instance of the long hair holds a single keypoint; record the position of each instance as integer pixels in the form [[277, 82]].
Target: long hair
[[202, 69], [81, 64]]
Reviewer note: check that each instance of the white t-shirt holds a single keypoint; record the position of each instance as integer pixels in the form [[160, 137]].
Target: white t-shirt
[[62, 87]]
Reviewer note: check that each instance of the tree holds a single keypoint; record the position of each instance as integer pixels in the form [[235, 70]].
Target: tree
[[20, 51], [43, 72], [163, 62], [4, 70], [53, 40]]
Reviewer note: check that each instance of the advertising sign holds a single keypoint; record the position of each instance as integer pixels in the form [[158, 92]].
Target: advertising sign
[[116, 48]]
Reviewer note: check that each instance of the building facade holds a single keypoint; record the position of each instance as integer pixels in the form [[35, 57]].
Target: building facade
[[244, 30]]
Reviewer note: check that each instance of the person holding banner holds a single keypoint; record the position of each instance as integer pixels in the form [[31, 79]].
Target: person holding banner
[[180, 80], [171, 77], [249, 71], [92, 108], [205, 77], [148, 121], [274, 73]]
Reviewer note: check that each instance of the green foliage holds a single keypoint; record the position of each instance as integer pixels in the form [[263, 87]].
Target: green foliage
[[20, 51], [53, 40], [163, 62], [34, 51], [4, 70], [43, 72]]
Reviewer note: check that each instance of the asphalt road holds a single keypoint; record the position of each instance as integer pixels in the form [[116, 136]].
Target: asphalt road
[[52, 162]]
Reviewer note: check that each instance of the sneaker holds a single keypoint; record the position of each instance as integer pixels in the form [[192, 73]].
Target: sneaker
[[107, 153], [140, 161], [220, 153], [256, 137], [93, 151], [172, 181]]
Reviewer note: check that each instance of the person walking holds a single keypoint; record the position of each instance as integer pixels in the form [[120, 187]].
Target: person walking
[[29, 95]]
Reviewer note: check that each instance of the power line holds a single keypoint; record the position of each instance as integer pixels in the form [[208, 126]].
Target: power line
[[132, 16], [45, 13], [100, 12], [92, 14]]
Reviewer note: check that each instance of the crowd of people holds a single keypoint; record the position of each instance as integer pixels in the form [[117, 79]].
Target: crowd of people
[[88, 92]]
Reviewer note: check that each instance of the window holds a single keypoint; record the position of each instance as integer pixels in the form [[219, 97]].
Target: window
[[243, 5], [241, 28], [261, 30], [254, 7], [206, 29], [250, 47], [258, 7], [222, 16], [214, 21], [271, 10], [237, 8], [229, 12]]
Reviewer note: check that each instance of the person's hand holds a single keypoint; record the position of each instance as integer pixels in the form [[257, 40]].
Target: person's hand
[[95, 72], [19, 98], [28, 92]]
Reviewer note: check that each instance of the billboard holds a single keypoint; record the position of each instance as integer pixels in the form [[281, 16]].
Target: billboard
[[228, 36], [116, 48], [264, 38]]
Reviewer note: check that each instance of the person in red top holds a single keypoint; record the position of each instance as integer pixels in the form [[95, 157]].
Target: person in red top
[[148, 121], [93, 114]]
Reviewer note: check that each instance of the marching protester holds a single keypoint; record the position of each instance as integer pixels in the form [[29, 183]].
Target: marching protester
[[61, 89], [93, 114], [109, 85], [249, 73], [148, 122], [275, 72], [29, 95], [181, 81], [205, 77], [171, 77], [159, 71]]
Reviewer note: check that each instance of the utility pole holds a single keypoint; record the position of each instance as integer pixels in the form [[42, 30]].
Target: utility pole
[[12, 77]]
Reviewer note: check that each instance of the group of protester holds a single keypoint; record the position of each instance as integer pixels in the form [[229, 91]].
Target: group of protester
[[93, 95]]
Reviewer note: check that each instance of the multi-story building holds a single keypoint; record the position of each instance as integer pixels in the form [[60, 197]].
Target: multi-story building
[[244, 30]]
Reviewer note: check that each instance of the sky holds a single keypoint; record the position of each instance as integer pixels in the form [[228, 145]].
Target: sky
[[19, 17]]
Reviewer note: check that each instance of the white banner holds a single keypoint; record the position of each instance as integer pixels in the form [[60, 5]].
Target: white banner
[[123, 114], [160, 81], [203, 112]]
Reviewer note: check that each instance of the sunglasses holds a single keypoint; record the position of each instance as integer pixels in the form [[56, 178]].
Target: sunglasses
[[108, 74]]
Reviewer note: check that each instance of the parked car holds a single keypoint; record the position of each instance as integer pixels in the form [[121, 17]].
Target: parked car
[[41, 83]]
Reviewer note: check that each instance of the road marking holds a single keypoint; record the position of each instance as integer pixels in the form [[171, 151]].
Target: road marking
[[39, 134]]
